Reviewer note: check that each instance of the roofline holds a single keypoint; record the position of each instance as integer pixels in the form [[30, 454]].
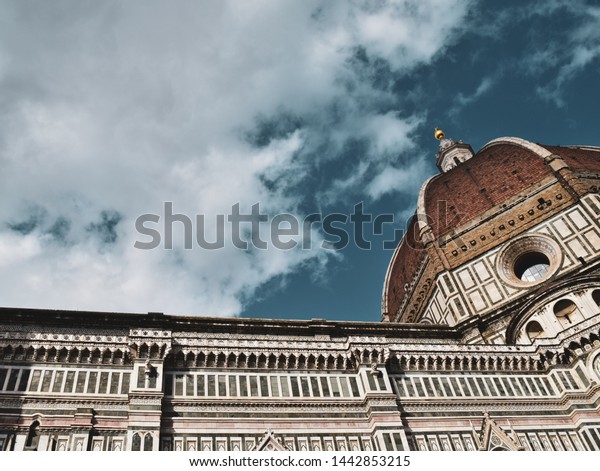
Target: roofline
[[422, 220], [388, 273], [157, 320], [517, 141], [422, 225]]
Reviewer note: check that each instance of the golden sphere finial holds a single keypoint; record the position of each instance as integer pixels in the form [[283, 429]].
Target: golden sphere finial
[[439, 134]]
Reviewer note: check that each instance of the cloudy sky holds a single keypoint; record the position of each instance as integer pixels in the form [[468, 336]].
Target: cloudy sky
[[108, 110]]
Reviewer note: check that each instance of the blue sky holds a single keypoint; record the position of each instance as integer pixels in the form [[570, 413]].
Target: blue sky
[[110, 109]]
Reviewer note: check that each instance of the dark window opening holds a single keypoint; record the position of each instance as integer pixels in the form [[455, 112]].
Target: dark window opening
[[565, 311], [148, 442], [136, 444], [531, 266], [33, 437], [596, 296], [534, 330]]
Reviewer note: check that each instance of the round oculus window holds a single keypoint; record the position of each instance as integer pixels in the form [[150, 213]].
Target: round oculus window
[[529, 260], [531, 266]]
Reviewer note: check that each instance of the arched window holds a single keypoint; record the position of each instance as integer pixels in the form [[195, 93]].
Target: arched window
[[33, 437], [136, 444], [154, 351], [566, 312], [143, 351], [19, 353], [96, 356], [534, 330], [8, 351], [148, 442], [30, 354], [596, 296]]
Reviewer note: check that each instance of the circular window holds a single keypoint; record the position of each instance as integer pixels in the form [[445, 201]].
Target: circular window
[[529, 260], [531, 266]]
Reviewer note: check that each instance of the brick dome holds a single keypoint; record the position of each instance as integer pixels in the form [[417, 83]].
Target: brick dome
[[472, 191]]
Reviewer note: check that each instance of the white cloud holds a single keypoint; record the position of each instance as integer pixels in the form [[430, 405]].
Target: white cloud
[[389, 133], [578, 48], [462, 100], [121, 106], [403, 180], [409, 32]]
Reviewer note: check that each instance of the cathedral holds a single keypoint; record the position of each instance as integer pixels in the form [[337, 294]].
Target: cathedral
[[489, 339]]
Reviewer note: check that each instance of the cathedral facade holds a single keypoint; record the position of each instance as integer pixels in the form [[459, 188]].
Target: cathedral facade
[[489, 340]]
